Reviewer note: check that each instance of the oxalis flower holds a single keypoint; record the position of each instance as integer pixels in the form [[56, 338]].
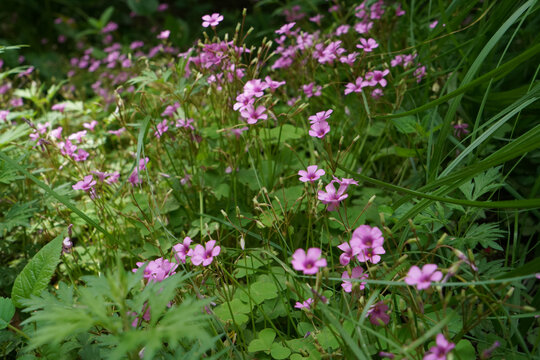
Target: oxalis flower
[[312, 174], [253, 115], [86, 184], [356, 273], [377, 314], [310, 262], [212, 20], [423, 278], [182, 250], [304, 305], [157, 270], [205, 254], [440, 350]]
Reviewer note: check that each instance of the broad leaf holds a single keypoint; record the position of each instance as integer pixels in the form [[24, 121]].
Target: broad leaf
[[38, 272], [7, 310]]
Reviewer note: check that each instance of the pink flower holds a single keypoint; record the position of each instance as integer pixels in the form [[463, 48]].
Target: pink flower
[[377, 77], [308, 263], [242, 101], [356, 273], [320, 116], [371, 254], [157, 270], [342, 29], [255, 88], [4, 114], [399, 11], [433, 24], [356, 87], [349, 59], [369, 241], [368, 237], [136, 44], [367, 45], [164, 35], [420, 73], [253, 115], [110, 27], [134, 178], [113, 177], [440, 350], [311, 174], [350, 249], [90, 125], [117, 132], [332, 197], [377, 93], [170, 110], [316, 19], [273, 85], [423, 278], [205, 255], [185, 123], [58, 107], [285, 29], [304, 305], [377, 314], [212, 20], [363, 27], [460, 130], [86, 184], [56, 133], [77, 136], [237, 132], [398, 60], [408, 60], [312, 90], [162, 127], [319, 129], [182, 250]]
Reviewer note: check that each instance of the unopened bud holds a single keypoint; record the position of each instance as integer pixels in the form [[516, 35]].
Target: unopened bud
[[224, 213], [442, 239], [371, 199], [242, 242]]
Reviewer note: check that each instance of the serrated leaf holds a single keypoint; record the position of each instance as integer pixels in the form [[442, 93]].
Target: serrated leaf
[[7, 310], [38, 272]]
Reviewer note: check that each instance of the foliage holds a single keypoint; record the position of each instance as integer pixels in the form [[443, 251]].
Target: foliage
[[321, 180]]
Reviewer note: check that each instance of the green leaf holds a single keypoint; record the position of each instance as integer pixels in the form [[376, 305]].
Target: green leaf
[[38, 272], [284, 133], [279, 351], [259, 291], [63, 199], [263, 342], [405, 125], [7, 310], [465, 350], [238, 309]]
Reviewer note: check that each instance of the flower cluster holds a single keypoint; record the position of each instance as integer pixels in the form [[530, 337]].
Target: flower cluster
[[200, 255], [246, 102], [366, 244], [319, 125]]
